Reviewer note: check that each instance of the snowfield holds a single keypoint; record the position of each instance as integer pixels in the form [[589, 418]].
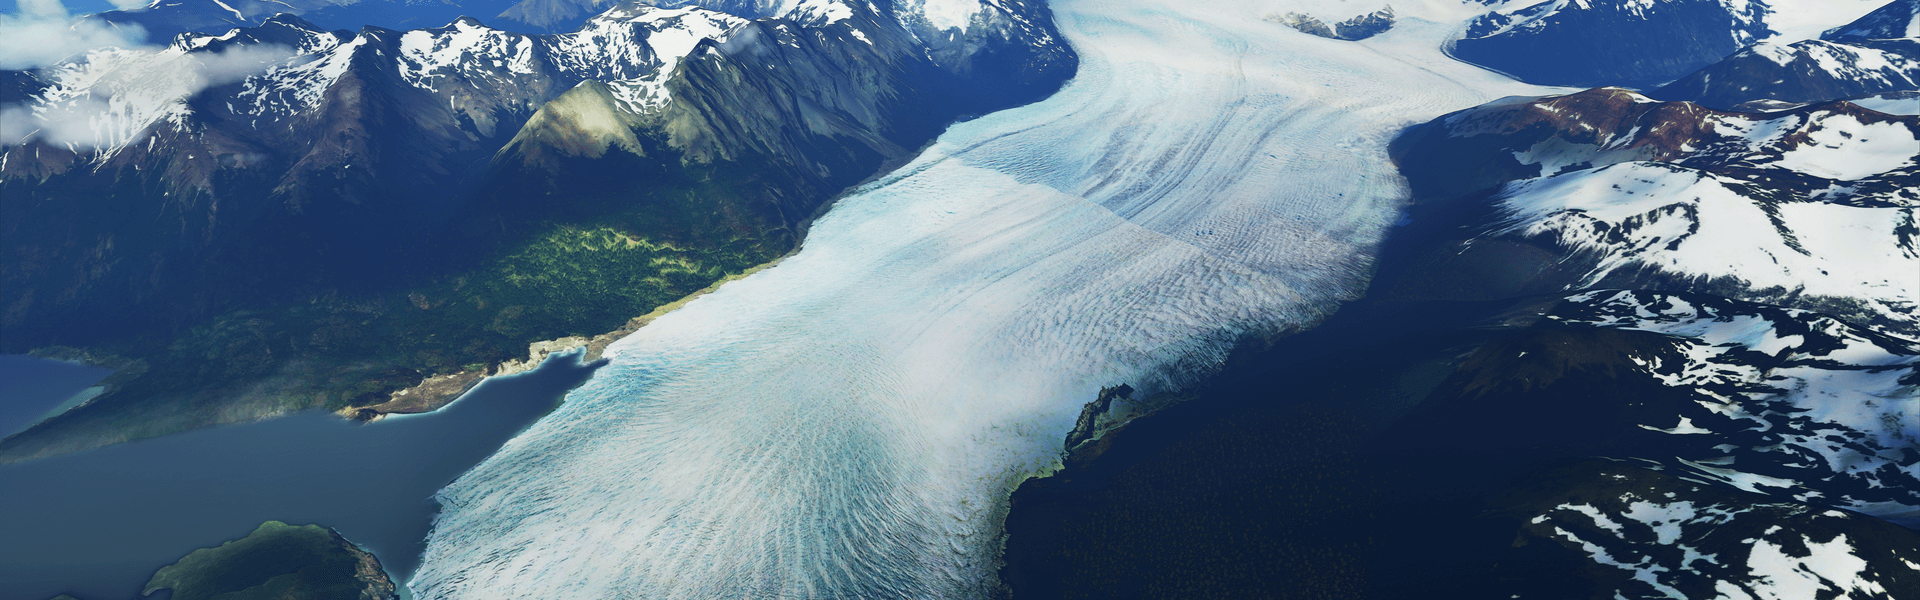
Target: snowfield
[[1646, 215], [1849, 239], [850, 422]]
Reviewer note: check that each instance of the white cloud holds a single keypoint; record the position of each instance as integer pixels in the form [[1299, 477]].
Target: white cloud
[[68, 123], [42, 34], [125, 93], [207, 69]]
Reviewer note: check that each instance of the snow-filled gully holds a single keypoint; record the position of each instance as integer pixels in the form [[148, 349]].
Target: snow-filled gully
[[849, 423]]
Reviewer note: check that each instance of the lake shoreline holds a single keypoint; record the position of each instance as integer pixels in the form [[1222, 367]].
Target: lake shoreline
[[430, 394], [374, 483]]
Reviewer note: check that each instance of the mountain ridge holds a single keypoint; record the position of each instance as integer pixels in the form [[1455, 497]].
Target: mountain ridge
[[425, 170]]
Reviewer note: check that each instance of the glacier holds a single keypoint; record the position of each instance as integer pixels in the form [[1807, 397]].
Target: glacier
[[850, 422]]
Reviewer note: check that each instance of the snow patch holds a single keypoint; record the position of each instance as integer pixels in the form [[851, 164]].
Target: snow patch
[[950, 14], [1685, 427], [1780, 576], [1841, 147], [1892, 104], [1691, 223]]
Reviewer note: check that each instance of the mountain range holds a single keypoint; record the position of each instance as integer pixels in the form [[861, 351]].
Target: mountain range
[[1811, 207], [1644, 43], [296, 200], [1873, 55]]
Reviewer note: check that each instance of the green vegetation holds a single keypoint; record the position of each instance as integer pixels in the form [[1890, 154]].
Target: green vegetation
[[277, 561], [570, 281], [342, 305], [335, 352]]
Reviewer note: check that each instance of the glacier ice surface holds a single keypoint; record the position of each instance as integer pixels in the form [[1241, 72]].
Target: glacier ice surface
[[850, 422]]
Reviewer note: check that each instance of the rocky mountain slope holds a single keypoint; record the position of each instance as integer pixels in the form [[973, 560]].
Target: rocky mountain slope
[[400, 205], [560, 15], [1898, 19], [1635, 533], [1355, 29], [1564, 42], [161, 20], [1634, 43], [1878, 53], [1763, 420], [1710, 218], [1812, 208], [1790, 404]]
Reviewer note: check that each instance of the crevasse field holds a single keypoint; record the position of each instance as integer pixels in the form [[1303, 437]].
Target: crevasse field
[[850, 422]]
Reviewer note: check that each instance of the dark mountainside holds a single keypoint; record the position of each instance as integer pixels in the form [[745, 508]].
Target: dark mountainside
[[434, 208], [17, 87], [1410, 450], [1872, 55], [1633, 44]]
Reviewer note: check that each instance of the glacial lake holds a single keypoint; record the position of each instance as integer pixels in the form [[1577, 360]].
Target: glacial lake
[[97, 524]]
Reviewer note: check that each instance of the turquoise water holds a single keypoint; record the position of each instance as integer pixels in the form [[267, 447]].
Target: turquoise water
[[102, 521]]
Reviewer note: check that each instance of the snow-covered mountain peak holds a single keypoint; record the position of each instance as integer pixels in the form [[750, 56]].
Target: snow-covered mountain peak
[[283, 29], [1748, 17], [1638, 43], [1864, 58], [107, 98], [1898, 19], [1796, 20], [818, 12], [283, 68], [660, 17], [923, 15], [1835, 142], [746, 9], [947, 14]]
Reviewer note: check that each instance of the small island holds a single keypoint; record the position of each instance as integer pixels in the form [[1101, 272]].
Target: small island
[[278, 560]]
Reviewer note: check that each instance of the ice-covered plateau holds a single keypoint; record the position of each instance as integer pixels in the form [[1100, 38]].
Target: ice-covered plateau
[[850, 422]]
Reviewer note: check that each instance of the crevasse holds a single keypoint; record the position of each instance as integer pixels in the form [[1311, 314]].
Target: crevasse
[[848, 424]]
